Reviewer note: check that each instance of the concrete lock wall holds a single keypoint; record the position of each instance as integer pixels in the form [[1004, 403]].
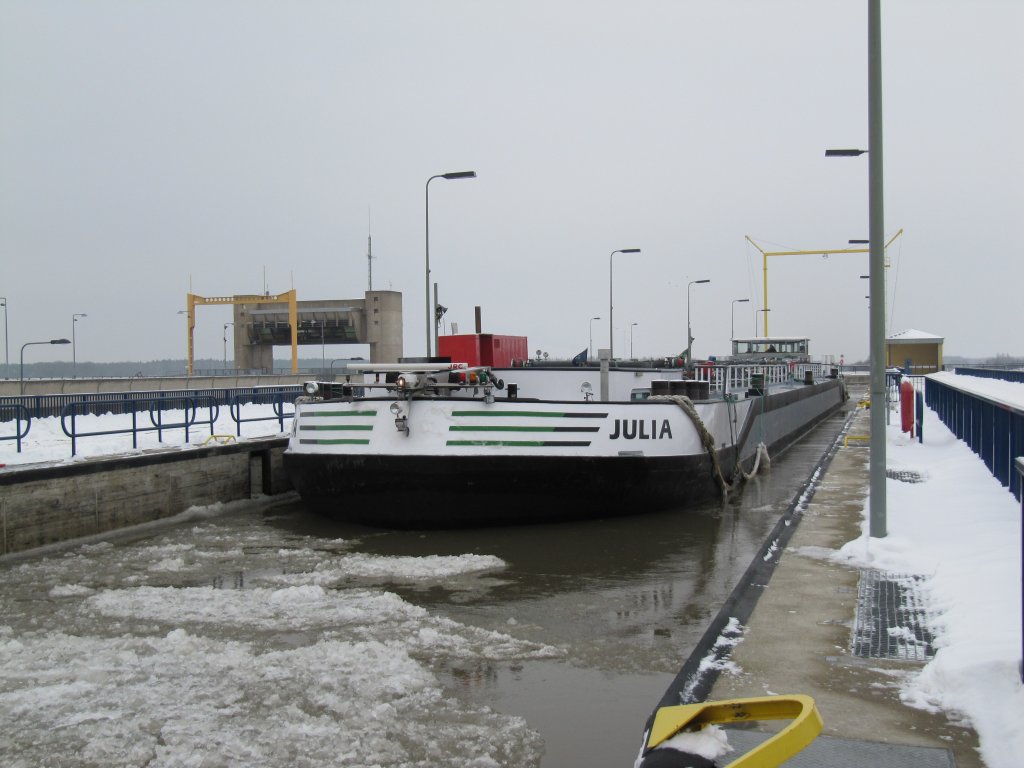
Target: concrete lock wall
[[44, 504]]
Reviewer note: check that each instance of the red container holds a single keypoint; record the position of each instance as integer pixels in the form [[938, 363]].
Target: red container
[[483, 349]]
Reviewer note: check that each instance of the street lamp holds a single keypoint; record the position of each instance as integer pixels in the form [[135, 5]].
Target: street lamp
[[426, 297], [611, 340], [590, 346], [74, 357], [7, 346], [755, 320], [876, 260], [21, 375], [226, 345], [734, 303], [689, 334], [631, 327]]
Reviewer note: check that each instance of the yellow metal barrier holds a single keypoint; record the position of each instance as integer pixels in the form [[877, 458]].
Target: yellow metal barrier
[[806, 725], [860, 438]]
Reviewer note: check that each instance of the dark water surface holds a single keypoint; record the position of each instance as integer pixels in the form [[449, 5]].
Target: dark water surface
[[626, 599]]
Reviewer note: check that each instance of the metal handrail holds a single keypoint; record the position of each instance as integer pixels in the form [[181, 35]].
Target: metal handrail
[[123, 402], [18, 419], [155, 407], [277, 399]]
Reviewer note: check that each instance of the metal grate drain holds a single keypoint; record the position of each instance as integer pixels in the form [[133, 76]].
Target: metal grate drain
[[891, 620], [906, 475]]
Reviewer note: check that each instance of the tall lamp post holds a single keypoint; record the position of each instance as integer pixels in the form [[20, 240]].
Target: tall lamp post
[[74, 356], [426, 295], [590, 346], [766, 311], [689, 334], [7, 346], [631, 327], [876, 260], [21, 375], [611, 333], [226, 345], [733, 327]]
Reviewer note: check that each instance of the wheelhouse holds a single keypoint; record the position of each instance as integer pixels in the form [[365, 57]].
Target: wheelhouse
[[761, 348]]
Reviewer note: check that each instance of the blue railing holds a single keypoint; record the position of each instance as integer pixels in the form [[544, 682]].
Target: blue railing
[[278, 399], [1004, 374], [40, 406], [156, 408], [20, 416], [992, 429], [138, 404]]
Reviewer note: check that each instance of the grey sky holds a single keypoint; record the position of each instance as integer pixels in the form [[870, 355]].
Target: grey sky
[[146, 144]]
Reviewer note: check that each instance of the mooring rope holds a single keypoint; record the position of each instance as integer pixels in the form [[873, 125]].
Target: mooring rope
[[708, 442]]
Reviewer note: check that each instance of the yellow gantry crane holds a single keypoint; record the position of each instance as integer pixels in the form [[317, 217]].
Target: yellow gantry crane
[[820, 252], [281, 298]]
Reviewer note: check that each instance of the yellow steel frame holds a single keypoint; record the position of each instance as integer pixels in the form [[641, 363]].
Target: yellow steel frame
[[805, 726], [281, 298], [826, 252]]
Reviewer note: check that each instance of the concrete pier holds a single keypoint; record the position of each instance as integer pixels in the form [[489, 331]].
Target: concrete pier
[[46, 503]]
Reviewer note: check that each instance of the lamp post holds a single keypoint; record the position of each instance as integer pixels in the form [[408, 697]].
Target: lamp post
[[21, 375], [611, 333], [226, 345], [766, 311], [631, 327], [74, 356], [689, 334], [733, 327], [876, 260], [7, 346], [426, 295], [590, 346]]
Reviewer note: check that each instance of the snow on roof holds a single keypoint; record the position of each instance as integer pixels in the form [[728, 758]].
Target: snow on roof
[[912, 334]]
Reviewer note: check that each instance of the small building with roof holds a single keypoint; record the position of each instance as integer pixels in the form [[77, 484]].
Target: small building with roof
[[919, 350]]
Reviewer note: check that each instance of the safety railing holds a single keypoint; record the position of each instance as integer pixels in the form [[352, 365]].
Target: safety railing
[[1004, 374], [19, 415], [279, 400], [993, 429], [734, 377], [156, 408], [40, 406]]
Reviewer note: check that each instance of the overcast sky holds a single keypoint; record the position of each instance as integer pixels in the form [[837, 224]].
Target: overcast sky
[[149, 146]]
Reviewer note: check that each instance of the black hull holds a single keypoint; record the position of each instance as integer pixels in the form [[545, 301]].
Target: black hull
[[476, 491]]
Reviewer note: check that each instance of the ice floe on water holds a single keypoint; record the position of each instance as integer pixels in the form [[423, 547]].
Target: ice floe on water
[[216, 646]]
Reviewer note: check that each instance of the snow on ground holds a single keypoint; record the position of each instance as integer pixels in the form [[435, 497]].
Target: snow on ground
[[962, 530]]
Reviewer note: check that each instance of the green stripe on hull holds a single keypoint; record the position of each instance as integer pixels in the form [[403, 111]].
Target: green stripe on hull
[[524, 443], [509, 428], [532, 414], [336, 427], [323, 414], [339, 441]]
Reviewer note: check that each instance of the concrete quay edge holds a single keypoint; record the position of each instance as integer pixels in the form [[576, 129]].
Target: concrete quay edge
[[799, 637]]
